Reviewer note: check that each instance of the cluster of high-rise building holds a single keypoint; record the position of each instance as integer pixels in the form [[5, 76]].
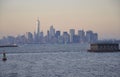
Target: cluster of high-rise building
[[52, 37]]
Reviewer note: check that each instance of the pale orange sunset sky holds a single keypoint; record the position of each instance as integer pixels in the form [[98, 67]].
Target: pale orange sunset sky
[[101, 16]]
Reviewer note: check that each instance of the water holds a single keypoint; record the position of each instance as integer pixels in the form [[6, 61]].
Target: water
[[47, 60]]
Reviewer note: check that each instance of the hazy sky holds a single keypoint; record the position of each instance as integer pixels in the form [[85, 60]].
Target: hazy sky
[[101, 16]]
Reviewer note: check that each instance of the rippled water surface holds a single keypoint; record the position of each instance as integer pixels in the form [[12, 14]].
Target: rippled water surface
[[47, 60]]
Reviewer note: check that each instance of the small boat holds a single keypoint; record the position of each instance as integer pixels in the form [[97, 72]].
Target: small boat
[[4, 59], [4, 56]]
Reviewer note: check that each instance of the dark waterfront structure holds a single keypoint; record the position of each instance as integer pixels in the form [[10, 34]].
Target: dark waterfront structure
[[104, 47], [1, 46]]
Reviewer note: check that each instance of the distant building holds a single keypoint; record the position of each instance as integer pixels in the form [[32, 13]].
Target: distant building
[[52, 31], [72, 33], [52, 38], [37, 33], [21, 39], [38, 27], [66, 37], [81, 35], [29, 37], [60, 40], [76, 39], [47, 37], [95, 37], [42, 38], [89, 36], [41, 34], [57, 34], [7, 40]]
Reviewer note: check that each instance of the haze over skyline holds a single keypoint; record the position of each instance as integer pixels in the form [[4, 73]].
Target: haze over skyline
[[101, 16]]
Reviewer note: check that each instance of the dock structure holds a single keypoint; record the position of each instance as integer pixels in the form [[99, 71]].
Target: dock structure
[[104, 47], [2, 46]]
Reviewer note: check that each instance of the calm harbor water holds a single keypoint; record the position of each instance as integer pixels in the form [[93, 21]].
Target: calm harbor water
[[70, 60]]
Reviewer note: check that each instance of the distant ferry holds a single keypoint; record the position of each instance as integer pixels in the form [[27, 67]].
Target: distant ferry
[[104, 47], [11, 45]]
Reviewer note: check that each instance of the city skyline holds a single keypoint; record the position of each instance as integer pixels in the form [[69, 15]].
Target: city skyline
[[38, 30], [53, 36], [19, 16]]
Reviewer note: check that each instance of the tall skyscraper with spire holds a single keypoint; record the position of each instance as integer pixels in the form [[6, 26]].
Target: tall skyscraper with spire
[[38, 27], [37, 32]]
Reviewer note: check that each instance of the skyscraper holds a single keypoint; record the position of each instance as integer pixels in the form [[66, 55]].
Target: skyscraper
[[52, 31], [89, 36], [95, 37], [57, 34], [29, 37], [37, 33], [38, 27], [72, 33], [66, 37], [81, 34]]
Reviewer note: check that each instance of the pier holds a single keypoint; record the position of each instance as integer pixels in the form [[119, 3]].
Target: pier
[[14, 45]]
